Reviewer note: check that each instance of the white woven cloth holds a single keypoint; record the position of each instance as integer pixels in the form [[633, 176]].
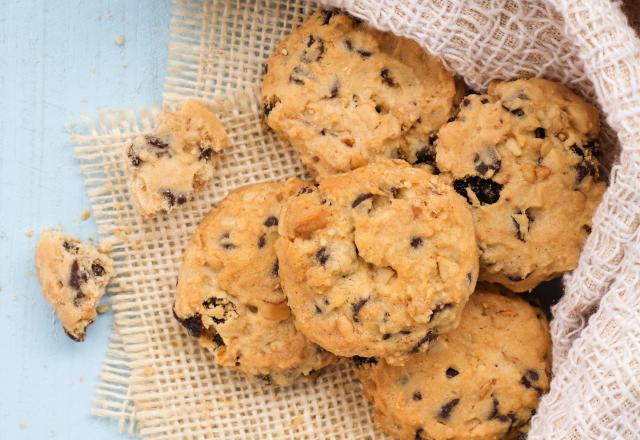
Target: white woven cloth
[[587, 44], [159, 384]]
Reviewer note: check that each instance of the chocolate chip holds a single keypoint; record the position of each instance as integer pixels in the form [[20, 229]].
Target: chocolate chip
[[271, 221], [73, 337], [364, 53], [451, 119], [305, 190], [487, 161], [540, 133], [386, 336], [518, 112], [275, 268], [72, 248], [431, 336], [318, 309], [219, 342], [447, 408], [395, 192], [296, 76], [156, 142], [327, 15], [262, 240], [586, 229], [418, 435], [484, 101], [465, 102], [594, 146], [405, 332], [224, 241], [228, 308], [417, 395], [97, 269], [361, 198], [182, 199], [355, 308], [495, 410], [533, 375], [416, 242], [529, 377], [314, 51], [335, 89], [348, 44], [426, 154], [169, 197], [451, 372], [378, 108], [385, 74], [439, 308], [322, 255], [205, 154], [76, 277], [134, 159], [486, 190], [266, 378], [192, 323], [360, 361], [270, 103]]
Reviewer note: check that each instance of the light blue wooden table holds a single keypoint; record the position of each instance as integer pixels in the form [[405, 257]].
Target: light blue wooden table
[[59, 61]]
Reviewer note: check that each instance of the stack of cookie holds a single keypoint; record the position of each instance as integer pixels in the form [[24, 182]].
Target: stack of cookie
[[419, 193]]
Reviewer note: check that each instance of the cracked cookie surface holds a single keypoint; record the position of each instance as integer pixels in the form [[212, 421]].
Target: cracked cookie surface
[[525, 158], [229, 294], [73, 276], [481, 381], [344, 94], [377, 261], [167, 167]]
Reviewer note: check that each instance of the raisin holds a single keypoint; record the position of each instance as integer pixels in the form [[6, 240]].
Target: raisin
[[361, 198], [378, 108], [133, 157], [271, 221], [182, 199], [486, 162], [518, 112], [465, 102], [360, 361], [296, 76], [192, 323], [364, 53], [355, 308], [451, 373], [77, 277], [484, 101], [169, 197], [327, 15], [262, 240], [334, 90], [156, 142], [426, 339], [266, 378], [385, 74], [97, 269], [447, 408], [586, 229], [322, 255], [416, 242], [417, 395], [486, 190], [540, 133], [205, 154], [314, 51], [275, 268], [72, 248]]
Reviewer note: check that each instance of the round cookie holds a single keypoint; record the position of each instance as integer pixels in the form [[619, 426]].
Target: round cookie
[[524, 157], [229, 295], [480, 381], [343, 94], [377, 261]]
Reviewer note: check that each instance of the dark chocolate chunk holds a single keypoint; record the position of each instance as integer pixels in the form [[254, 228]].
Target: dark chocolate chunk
[[527, 381], [305, 190], [355, 308], [447, 408], [327, 15], [275, 268], [451, 372], [296, 76], [387, 79], [378, 108], [169, 197], [488, 161], [133, 157], [205, 154], [416, 242], [72, 248], [360, 361], [465, 102], [262, 240], [586, 229], [452, 119], [426, 154], [540, 133], [318, 309], [386, 336], [486, 190], [361, 198], [417, 395], [156, 142], [419, 436], [219, 342], [192, 323], [431, 336], [395, 192], [484, 101], [77, 277], [334, 90], [364, 53], [270, 103], [322, 255], [97, 269], [314, 50], [495, 410], [271, 221]]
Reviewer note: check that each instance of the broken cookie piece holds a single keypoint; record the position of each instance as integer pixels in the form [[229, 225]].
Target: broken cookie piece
[[169, 165], [73, 276]]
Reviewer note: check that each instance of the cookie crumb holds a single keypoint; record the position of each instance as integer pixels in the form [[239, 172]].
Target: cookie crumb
[[296, 422], [148, 371], [285, 52], [102, 308], [28, 233], [119, 40], [85, 215]]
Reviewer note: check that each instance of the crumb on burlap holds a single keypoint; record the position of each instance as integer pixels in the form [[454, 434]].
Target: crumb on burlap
[[295, 422], [148, 371], [119, 40]]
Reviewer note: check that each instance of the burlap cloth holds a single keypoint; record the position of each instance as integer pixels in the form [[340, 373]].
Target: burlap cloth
[[158, 384]]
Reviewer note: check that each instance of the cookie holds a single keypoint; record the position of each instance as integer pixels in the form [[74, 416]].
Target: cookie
[[377, 261], [73, 276], [525, 158], [343, 94], [480, 381], [229, 294], [167, 167]]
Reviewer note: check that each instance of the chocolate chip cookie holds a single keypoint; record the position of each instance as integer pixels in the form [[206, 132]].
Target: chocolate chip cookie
[[229, 295], [377, 261], [524, 156], [73, 276], [343, 94], [480, 381], [168, 166]]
